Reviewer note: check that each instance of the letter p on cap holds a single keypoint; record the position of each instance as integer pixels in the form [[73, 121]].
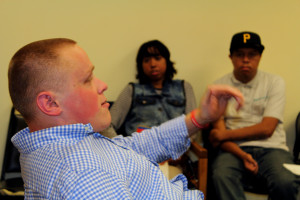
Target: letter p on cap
[[246, 37]]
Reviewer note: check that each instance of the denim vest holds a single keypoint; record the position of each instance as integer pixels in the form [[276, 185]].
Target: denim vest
[[151, 109]]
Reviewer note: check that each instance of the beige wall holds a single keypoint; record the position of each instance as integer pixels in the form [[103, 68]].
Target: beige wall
[[197, 32]]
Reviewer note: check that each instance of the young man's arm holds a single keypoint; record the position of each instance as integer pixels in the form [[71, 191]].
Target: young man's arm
[[231, 147], [262, 130]]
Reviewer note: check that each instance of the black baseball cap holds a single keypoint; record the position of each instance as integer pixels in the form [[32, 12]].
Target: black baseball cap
[[246, 39]]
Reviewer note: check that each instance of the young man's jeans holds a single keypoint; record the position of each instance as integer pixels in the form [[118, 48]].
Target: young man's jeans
[[229, 174]]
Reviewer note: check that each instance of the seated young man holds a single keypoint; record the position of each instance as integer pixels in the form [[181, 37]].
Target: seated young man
[[253, 140]]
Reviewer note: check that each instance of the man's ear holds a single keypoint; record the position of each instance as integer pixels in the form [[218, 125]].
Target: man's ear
[[47, 103]]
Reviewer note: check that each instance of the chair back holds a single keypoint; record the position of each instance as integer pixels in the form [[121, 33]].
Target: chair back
[[11, 170], [296, 149]]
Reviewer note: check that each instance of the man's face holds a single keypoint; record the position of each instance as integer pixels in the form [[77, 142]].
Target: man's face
[[245, 62], [81, 98]]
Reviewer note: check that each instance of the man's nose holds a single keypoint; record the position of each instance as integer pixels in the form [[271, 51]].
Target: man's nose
[[246, 58], [102, 86]]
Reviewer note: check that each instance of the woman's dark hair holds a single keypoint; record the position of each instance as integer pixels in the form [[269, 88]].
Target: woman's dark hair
[[153, 48]]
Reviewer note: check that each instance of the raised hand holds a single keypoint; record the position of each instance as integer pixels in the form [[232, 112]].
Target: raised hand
[[215, 100]]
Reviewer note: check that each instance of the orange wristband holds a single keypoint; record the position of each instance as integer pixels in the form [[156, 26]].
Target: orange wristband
[[194, 121]]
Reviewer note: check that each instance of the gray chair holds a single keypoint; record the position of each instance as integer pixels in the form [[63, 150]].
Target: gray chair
[[11, 184]]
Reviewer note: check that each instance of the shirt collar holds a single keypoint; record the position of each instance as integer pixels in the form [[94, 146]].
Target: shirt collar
[[26, 141], [252, 84]]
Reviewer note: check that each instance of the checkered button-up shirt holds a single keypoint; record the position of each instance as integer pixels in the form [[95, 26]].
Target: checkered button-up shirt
[[74, 162]]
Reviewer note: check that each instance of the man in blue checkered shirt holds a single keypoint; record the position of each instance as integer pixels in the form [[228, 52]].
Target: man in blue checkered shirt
[[63, 154]]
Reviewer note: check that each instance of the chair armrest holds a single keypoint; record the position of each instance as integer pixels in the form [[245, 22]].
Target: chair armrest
[[201, 153]]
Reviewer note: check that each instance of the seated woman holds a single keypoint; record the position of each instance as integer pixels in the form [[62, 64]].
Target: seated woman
[[156, 97]]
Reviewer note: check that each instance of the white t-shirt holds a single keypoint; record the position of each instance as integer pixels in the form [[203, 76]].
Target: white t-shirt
[[264, 97]]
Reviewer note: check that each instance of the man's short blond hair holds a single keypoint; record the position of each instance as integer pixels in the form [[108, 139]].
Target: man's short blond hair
[[33, 69]]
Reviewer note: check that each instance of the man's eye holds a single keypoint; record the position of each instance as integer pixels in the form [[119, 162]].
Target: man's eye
[[89, 79], [253, 54], [240, 55]]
